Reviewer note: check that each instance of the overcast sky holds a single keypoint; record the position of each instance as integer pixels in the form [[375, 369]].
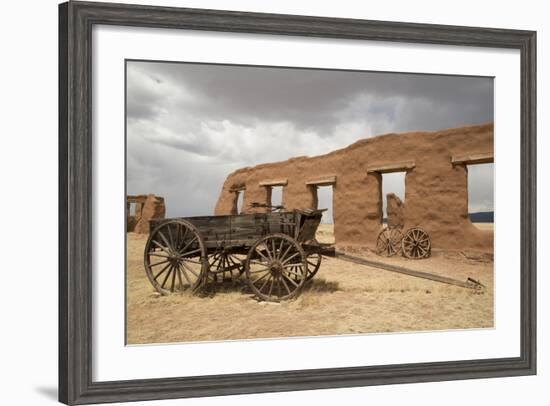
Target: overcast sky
[[190, 125]]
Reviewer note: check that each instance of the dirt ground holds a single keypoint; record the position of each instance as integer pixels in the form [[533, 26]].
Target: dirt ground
[[343, 298]]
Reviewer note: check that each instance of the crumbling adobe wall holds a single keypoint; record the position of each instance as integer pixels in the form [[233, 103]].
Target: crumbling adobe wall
[[436, 190], [147, 207], [396, 211]]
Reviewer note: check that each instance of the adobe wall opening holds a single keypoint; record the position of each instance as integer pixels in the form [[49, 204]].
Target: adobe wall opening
[[393, 197], [240, 201], [142, 208], [274, 192], [480, 207], [276, 195], [479, 168], [391, 179], [237, 200]]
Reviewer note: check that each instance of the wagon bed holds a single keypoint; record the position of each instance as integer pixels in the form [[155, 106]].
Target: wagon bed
[[242, 230]]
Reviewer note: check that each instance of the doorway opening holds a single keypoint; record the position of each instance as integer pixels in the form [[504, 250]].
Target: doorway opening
[[481, 194], [240, 199], [276, 196], [132, 208], [393, 182], [325, 201]]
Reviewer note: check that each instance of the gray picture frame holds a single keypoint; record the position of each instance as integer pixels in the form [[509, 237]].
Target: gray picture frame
[[76, 20]]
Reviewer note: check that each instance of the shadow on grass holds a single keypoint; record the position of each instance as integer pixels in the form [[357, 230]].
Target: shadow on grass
[[226, 286], [320, 286], [241, 286]]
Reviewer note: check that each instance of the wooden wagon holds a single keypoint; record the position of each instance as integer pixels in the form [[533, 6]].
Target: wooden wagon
[[275, 252]]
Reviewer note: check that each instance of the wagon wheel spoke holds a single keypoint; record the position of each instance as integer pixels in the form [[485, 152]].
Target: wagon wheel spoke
[[266, 269], [195, 251], [262, 255], [290, 280], [311, 263], [167, 276], [289, 258], [192, 261], [173, 279], [295, 270], [285, 285], [179, 272], [162, 247], [170, 237], [266, 282], [283, 256], [158, 263], [161, 235], [182, 240], [188, 268], [292, 265], [188, 244], [270, 288], [161, 271], [158, 254], [280, 251]]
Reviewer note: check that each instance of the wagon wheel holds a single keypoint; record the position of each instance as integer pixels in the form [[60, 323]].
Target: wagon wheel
[[388, 242], [416, 244], [276, 267], [175, 257], [224, 265], [313, 263]]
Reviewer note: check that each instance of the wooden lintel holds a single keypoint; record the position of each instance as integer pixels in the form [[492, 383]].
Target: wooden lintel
[[471, 159], [394, 167], [275, 182], [324, 181], [237, 189]]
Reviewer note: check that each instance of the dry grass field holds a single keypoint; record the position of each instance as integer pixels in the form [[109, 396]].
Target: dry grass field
[[343, 298]]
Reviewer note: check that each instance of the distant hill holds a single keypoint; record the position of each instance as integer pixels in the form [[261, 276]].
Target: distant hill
[[479, 217], [482, 217]]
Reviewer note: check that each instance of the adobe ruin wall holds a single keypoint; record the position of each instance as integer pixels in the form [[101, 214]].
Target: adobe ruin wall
[[146, 207], [436, 185]]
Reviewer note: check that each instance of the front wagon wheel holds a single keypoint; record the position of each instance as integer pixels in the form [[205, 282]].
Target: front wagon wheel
[[276, 268], [175, 257]]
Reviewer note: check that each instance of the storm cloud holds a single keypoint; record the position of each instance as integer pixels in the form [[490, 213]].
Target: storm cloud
[[189, 125]]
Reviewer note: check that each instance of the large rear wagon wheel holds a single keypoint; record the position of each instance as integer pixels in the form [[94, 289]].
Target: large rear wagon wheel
[[175, 257], [276, 268]]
